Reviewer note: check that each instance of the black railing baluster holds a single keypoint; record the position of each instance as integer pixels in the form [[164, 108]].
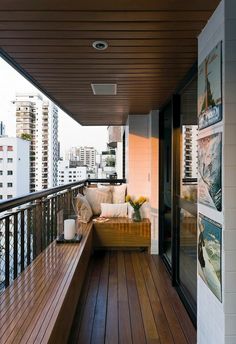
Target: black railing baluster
[[15, 245], [22, 240], [7, 251], [26, 232], [29, 223], [34, 232]]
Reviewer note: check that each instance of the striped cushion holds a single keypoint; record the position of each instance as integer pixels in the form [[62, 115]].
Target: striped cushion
[[97, 196]]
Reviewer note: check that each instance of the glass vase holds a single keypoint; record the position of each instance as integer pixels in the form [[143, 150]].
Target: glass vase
[[136, 215]]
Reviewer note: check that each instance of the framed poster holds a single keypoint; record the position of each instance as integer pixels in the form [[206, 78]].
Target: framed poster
[[209, 169], [210, 89], [209, 254]]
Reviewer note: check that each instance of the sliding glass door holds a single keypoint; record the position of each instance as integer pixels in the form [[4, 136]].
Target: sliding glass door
[[178, 196]]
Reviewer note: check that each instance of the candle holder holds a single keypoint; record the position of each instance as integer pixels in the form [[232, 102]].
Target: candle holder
[[62, 216]]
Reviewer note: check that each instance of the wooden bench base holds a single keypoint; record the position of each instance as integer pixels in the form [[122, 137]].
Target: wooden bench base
[[122, 232]]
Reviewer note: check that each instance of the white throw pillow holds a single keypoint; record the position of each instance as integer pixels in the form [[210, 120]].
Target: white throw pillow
[[118, 194], [96, 196], [114, 210], [82, 208]]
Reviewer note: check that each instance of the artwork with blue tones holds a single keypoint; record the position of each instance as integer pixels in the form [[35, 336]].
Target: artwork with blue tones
[[210, 89], [209, 254], [209, 169]]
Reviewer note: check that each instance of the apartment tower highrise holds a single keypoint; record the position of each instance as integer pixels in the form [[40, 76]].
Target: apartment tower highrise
[[39, 120]]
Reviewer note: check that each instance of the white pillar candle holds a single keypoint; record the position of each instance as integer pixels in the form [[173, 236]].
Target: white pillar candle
[[69, 229]]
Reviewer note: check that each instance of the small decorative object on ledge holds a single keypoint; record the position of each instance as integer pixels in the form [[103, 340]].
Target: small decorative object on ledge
[[136, 205], [61, 240], [68, 227]]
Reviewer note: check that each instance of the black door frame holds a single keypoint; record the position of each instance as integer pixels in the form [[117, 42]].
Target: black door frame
[[175, 187]]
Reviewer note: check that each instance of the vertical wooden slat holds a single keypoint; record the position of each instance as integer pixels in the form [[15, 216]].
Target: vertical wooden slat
[[7, 252], [15, 245], [22, 240]]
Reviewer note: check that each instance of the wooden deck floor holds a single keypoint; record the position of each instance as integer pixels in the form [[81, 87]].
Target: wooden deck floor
[[128, 298]]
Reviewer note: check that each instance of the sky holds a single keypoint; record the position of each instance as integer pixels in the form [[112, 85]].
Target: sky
[[71, 133]]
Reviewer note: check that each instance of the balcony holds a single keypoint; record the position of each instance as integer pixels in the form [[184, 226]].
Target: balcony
[[126, 296]]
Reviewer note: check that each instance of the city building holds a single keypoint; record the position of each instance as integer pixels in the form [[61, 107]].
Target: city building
[[115, 141], [68, 173], [87, 155], [37, 120], [14, 167], [2, 129], [190, 152]]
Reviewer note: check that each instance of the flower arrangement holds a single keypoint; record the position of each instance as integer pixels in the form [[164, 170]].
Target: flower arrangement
[[136, 205]]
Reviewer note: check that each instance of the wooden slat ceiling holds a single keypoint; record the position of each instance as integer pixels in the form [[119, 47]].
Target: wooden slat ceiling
[[152, 45]]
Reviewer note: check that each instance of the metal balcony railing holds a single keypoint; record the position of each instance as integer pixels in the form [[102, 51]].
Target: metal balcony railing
[[28, 224]]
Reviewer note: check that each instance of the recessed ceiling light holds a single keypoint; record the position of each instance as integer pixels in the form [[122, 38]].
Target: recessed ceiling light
[[100, 45]]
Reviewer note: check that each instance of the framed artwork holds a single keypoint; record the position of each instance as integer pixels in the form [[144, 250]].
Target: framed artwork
[[210, 89], [209, 254], [209, 169]]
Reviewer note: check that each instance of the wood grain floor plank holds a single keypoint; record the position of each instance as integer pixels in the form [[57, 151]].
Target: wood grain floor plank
[[88, 315], [157, 309], [123, 303], [171, 316], [99, 323], [178, 306], [112, 334], [138, 333], [81, 305], [148, 319]]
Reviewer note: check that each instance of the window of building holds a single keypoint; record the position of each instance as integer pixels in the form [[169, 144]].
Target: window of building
[[1, 185], [0, 196], [10, 148], [1, 160], [9, 185], [9, 160], [1, 148], [9, 173], [9, 196], [1, 172]]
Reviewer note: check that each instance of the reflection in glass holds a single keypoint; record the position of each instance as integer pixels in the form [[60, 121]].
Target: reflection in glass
[[188, 253], [167, 146]]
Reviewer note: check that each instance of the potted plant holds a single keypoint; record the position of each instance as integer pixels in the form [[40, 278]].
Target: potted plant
[[136, 205]]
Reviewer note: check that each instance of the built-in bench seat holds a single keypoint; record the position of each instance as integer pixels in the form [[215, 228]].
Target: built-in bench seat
[[122, 232], [39, 306]]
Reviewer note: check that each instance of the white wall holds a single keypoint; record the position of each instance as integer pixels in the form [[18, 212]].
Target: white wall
[[142, 166], [216, 320]]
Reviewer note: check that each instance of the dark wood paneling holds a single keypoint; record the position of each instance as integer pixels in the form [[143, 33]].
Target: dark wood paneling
[[151, 43]]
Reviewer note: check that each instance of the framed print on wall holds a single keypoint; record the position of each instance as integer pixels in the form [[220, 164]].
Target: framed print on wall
[[209, 254], [210, 89], [209, 169]]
